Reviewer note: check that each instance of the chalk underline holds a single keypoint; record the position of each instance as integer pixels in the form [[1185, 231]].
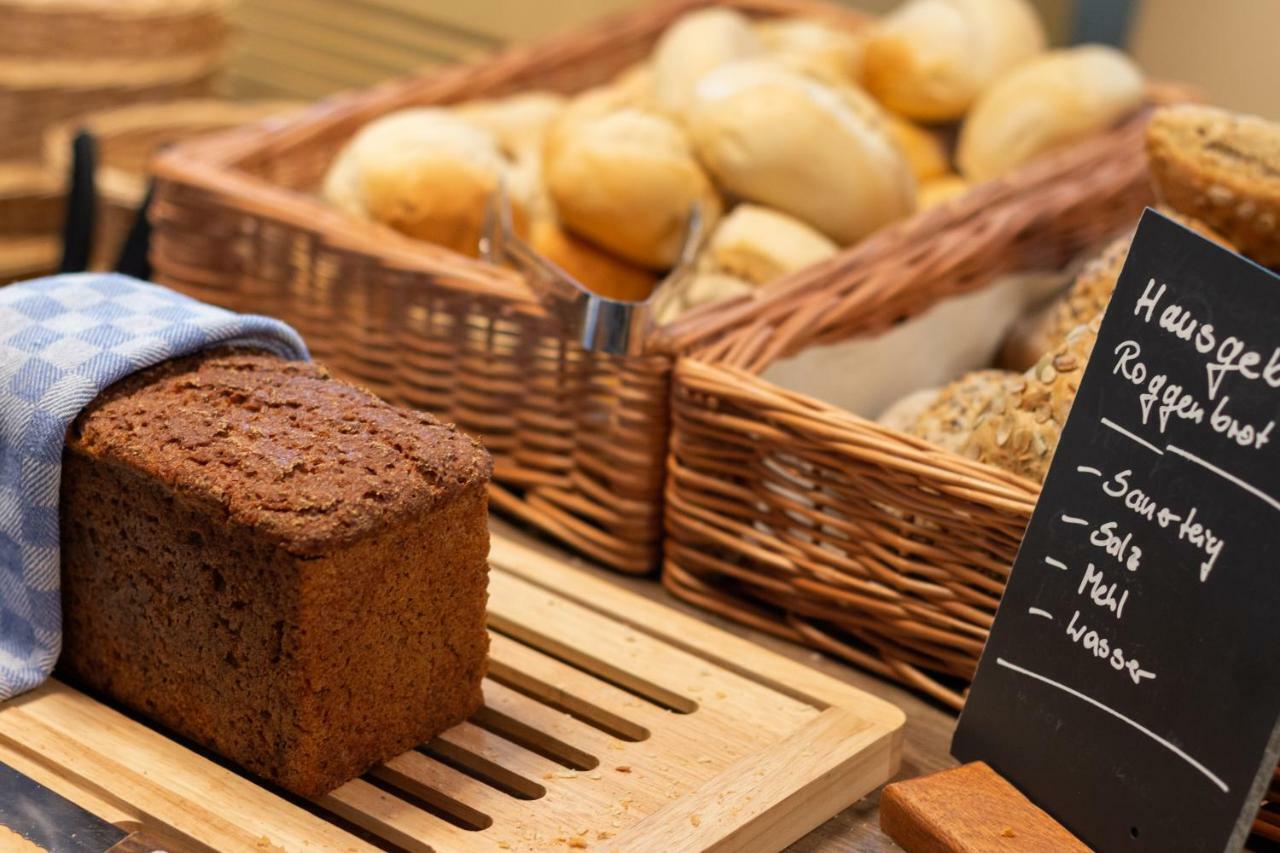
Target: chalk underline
[[1113, 712], [1191, 457]]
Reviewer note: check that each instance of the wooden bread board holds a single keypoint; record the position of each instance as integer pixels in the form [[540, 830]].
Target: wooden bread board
[[610, 722]]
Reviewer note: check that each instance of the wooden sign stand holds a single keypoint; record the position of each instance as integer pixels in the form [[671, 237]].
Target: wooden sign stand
[[968, 809]]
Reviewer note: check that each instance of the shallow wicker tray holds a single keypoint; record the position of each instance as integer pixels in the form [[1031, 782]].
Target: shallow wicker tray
[[127, 138], [30, 199], [833, 530], [78, 29], [579, 439], [36, 92]]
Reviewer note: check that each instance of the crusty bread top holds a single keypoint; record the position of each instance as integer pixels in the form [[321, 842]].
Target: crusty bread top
[[1222, 146], [279, 447]]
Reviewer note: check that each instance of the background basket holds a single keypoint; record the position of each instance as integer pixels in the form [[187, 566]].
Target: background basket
[[30, 215], [77, 29], [38, 92], [579, 439], [127, 138], [803, 519]]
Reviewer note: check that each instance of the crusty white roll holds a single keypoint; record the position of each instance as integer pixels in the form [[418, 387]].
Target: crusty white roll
[[696, 43], [929, 59], [519, 122], [627, 181], [1060, 97], [595, 268], [425, 172], [923, 148], [940, 190], [757, 244], [821, 153], [827, 52], [586, 107]]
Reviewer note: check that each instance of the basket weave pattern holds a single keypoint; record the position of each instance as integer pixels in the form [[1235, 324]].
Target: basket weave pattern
[[803, 519], [579, 439]]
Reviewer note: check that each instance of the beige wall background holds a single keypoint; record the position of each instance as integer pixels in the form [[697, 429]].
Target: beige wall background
[[309, 48], [1231, 48]]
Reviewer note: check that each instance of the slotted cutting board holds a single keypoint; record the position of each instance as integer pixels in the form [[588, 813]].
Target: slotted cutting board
[[610, 722]]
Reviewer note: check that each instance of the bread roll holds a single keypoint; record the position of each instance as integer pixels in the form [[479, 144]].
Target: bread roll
[[695, 44], [820, 153], [757, 244], [519, 122], [1020, 427], [584, 108], [627, 181], [902, 413], [425, 172], [941, 189], [923, 149], [1222, 168], [595, 268], [704, 288], [929, 59], [952, 414], [1055, 99], [827, 52]]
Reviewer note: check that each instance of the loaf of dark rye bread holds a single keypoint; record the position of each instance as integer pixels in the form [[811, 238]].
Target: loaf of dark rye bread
[[274, 564]]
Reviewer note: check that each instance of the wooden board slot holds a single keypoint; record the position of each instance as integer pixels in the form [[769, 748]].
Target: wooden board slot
[[609, 721], [534, 740], [482, 769], [576, 707], [580, 660]]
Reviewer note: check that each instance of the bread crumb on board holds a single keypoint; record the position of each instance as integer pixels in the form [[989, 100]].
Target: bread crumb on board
[[1007, 832], [623, 768], [696, 820], [577, 842]]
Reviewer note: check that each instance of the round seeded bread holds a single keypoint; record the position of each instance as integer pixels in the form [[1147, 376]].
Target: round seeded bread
[[1221, 168], [1020, 428], [949, 420]]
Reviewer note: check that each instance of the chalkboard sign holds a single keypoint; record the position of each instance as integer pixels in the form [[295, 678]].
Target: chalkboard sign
[[1131, 682]]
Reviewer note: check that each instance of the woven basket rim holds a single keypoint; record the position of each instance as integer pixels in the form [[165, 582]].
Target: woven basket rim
[[123, 186], [27, 178], [744, 384], [151, 9], [26, 73]]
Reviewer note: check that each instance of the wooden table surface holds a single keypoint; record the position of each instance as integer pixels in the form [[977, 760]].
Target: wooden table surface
[[928, 729]]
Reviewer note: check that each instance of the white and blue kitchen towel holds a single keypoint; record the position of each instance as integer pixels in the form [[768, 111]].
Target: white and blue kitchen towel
[[63, 340]]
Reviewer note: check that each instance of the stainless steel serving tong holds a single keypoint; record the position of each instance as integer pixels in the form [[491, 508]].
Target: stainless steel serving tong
[[597, 323]]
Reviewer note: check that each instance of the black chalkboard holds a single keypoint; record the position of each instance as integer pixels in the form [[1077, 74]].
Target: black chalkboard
[[1131, 682]]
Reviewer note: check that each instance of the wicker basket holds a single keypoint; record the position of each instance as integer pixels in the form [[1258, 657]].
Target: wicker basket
[[127, 138], [28, 257], [831, 530], [37, 93], [75, 29], [30, 199], [578, 438]]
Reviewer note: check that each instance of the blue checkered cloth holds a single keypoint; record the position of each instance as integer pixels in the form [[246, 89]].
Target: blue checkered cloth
[[63, 340]]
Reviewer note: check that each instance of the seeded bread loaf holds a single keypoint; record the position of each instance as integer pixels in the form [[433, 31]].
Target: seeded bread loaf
[[1019, 428], [1221, 168], [276, 565], [949, 418]]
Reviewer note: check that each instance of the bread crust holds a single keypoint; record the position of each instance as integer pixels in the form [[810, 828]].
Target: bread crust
[[1223, 169]]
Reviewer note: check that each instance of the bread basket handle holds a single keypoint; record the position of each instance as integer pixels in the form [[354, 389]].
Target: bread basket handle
[[597, 323]]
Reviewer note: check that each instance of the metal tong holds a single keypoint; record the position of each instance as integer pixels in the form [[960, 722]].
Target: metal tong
[[597, 323]]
